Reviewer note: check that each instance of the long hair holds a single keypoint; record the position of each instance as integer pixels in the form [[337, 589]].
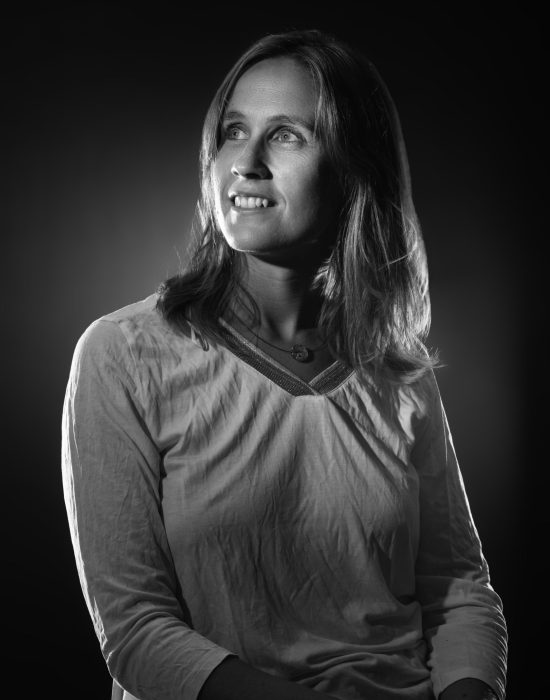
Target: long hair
[[374, 285]]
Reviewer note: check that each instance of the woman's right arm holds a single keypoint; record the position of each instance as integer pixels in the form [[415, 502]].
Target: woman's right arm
[[111, 479], [235, 680]]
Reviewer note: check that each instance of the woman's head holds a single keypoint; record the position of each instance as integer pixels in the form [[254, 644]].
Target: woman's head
[[354, 116], [373, 278], [275, 192]]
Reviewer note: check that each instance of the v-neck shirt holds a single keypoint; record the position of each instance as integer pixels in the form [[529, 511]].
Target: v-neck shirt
[[220, 505], [323, 382]]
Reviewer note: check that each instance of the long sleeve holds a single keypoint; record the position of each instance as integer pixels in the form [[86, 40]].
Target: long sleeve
[[112, 480], [462, 615]]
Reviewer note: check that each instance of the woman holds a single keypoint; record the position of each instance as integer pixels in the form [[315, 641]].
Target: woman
[[261, 485]]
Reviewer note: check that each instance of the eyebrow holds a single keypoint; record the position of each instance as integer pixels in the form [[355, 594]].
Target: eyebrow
[[291, 118]]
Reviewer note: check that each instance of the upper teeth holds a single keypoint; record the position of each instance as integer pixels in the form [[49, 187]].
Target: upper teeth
[[250, 202]]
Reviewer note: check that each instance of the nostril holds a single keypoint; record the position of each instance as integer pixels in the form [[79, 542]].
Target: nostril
[[250, 167], [249, 172]]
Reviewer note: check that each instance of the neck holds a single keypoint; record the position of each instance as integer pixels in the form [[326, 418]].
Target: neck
[[287, 303]]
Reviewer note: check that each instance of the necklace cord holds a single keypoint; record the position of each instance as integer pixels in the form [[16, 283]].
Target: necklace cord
[[299, 351]]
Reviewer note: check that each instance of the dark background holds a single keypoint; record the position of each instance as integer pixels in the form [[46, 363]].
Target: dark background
[[102, 119]]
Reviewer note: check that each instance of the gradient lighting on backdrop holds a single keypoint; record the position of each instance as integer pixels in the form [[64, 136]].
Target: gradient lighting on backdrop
[[105, 118]]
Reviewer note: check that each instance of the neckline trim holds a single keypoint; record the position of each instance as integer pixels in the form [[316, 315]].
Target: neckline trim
[[326, 381]]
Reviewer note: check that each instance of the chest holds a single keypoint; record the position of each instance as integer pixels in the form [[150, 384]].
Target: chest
[[259, 465]]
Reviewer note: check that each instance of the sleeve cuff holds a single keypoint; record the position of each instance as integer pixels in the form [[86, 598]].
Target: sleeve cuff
[[443, 681], [202, 670]]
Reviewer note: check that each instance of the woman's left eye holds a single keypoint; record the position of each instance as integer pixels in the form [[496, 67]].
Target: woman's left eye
[[287, 136]]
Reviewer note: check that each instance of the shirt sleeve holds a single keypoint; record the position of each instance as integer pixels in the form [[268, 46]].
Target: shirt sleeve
[[111, 480], [463, 621]]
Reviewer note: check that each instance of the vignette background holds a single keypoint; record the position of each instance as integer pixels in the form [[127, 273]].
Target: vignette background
[[104, 109]]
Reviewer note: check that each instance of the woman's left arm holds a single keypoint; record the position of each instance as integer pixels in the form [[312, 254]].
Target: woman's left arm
[[462, 615], [468, 689]]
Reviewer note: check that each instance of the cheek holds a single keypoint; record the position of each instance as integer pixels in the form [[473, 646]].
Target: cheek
[[219, 185], [317, 198], [329, 194]]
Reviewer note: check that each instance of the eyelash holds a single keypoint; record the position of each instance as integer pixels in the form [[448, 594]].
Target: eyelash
[[229, 129], [281, 130], [286, 130]]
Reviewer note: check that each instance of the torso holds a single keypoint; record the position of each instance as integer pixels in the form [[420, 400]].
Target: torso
[[290, 504]]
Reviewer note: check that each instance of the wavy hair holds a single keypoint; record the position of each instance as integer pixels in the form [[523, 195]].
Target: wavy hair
[[374, 283]]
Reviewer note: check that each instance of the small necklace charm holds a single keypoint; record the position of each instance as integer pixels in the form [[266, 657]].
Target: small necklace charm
[[300, 353]]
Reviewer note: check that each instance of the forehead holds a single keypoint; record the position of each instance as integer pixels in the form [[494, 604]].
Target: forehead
[[275, 86]]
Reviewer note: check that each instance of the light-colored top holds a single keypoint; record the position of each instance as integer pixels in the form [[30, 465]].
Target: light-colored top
[[220, 505]]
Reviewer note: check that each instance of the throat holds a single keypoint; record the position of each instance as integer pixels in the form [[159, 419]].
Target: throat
[[283, 296]]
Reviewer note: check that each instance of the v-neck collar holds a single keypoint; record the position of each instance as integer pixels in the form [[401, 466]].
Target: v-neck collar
[[326, 381]]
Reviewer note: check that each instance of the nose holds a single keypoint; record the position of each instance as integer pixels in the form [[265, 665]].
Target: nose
[[250, 163]]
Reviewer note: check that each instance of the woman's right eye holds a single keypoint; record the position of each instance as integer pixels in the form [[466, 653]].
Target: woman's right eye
[[234, 132]]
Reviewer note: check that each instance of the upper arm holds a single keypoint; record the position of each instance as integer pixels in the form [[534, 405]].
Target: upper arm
[[111, 477], [449, 541], [462, 614]]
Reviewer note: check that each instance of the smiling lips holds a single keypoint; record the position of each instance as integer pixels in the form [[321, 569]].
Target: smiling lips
[[244, 202]]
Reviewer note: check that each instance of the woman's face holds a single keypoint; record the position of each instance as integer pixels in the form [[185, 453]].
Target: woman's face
[[276, 195]]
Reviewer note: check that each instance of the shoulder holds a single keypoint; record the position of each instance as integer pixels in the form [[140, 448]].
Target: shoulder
[[132, 329], [423, 393], [418, 404], [401, 411], [138, 320], [109, 334], [109, 342], [430, 426], [138, 344]]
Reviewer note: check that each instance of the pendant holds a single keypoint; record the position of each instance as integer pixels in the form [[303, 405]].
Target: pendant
[[300, 353]]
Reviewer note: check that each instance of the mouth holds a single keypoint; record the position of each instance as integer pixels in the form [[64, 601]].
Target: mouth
[[241, 201]]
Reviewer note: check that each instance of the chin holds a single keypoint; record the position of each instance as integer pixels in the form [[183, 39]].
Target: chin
[[267, 243], [251, 241]]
